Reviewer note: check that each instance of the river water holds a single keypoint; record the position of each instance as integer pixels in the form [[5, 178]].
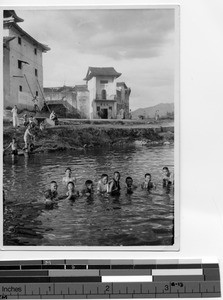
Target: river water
[[140, 219]]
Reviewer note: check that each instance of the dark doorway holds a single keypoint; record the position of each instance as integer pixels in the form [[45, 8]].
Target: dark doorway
[[104, 113]]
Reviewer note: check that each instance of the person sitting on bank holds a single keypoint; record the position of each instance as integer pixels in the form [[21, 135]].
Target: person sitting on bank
[[130, 187], [72, 193], [102, 186], [14, 147], [148, 184], [25, 120], [42, 126], [54, 117], [88, 188], [114, 184], [68, 176], [51, 195]]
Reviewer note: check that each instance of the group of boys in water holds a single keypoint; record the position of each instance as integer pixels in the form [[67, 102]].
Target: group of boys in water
[[104, 186]]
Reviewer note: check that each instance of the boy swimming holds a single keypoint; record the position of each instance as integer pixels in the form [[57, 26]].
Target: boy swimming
[[114, 184], [51, 194], [130, 187], [148, 184], [103, 184], [88, 188], [72, 193], [167, 180], [68, 176]]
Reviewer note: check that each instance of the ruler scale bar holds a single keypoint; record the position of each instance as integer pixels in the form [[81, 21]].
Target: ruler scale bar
[[95, 279]]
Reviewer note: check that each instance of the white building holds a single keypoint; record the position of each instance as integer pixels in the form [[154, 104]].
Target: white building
[[101, 83], [22, 65], [101, 98]]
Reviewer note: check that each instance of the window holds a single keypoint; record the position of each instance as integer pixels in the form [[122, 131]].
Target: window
[[20, 88], [35, 51], [103, 94], [37, 93], [103, 81], [19, 64], [19, 40], [36, 72]]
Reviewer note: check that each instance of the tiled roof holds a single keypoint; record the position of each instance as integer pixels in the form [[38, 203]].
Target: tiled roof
[[50, 89], [65, 88], [81, 88], [58, 89], [76, 88], [44, 48], [12, 14], [54, 102], [109, 71], [118, 84]]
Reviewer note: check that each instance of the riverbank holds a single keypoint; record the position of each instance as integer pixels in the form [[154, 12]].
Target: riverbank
[[82, 135]]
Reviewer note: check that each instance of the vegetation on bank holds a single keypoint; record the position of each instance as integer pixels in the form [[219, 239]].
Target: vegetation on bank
[[60, 138]]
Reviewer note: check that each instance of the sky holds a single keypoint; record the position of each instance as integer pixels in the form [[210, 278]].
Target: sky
[[139, 43]]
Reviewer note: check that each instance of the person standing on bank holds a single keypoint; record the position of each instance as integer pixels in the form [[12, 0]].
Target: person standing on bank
[[15, 119], [28, 139]]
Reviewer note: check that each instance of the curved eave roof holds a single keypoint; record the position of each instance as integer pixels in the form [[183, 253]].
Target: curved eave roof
[[107, 71], [44, 48], [12, 14]]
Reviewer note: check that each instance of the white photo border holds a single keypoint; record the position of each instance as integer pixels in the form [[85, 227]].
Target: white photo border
[[176, 245]]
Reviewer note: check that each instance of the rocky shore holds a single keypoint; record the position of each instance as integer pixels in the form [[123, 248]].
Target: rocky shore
[[74, 137]]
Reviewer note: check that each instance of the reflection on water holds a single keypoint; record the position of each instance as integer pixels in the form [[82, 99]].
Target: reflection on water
[[141, 218]]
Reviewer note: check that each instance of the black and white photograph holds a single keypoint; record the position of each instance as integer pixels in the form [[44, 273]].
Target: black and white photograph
[[91, 128]]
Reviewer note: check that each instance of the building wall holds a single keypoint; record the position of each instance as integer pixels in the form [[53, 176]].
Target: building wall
[[69, 96], [123, 102], [83, 104], [23, 52], [52, 95], [107, 107], [6, 77], [95, 88], [77, 99], [91, 84], [110, 87]]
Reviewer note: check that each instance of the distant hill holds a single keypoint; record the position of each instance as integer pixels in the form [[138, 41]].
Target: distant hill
[[149, 112]]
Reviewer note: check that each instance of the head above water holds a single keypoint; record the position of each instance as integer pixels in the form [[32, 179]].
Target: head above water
[[70, 185], [68, 171], [116, 175], [166, 170], [129, 181], [148, 176], [88, 183], [53, 186], [104, 178]]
